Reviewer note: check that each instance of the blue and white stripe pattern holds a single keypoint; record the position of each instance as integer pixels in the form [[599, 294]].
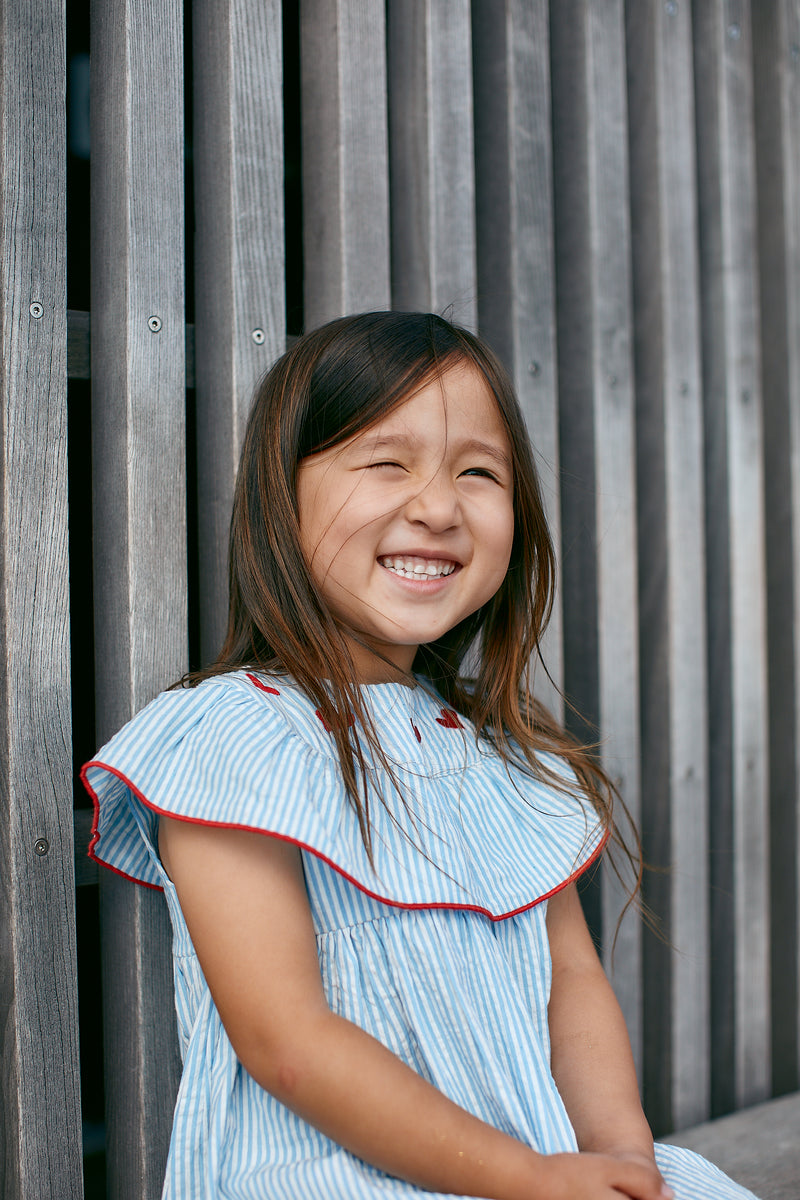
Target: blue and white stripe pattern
[[441, 953]]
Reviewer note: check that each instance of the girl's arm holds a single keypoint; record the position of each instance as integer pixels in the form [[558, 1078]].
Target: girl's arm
[[591, 1054], [244, 900]]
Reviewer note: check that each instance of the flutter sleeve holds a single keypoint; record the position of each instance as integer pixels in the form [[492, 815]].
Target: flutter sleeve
[[214, 754]]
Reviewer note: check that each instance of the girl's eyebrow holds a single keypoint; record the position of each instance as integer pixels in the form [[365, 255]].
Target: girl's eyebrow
[[476, 446], [402, 441]]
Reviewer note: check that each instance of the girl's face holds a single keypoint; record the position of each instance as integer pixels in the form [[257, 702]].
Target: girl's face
[[407, 527]]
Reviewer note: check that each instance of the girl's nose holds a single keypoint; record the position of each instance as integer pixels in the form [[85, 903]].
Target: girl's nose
[[435, 505]]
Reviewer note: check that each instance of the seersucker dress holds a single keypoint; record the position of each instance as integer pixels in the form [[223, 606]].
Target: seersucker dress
[[440, 952]]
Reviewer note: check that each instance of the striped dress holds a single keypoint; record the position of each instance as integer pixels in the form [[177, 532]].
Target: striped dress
[[440, 951]]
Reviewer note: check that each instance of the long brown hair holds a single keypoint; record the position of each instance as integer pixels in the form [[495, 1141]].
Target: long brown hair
[[333, 383]]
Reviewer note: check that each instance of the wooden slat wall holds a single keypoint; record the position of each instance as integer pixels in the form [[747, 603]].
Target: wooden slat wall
[[139, 454], [514, 228], [345, 158], [431, 154], [672, 641], [610, 193], [39, 1075], [735, 555], [595, 369], [240, 319]]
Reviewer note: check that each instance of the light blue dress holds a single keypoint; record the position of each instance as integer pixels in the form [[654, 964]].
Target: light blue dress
[[440, 952]]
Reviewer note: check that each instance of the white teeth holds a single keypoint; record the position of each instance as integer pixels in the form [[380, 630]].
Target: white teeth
[[413, 568]]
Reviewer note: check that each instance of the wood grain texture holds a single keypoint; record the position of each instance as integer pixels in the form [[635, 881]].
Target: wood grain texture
[[673, 681], [738, 732], [514, 241], [239, 259], [776, 94], [138, 382], [597, 428], [39, 1074], [431, 150], [79, 347], [345, 158]]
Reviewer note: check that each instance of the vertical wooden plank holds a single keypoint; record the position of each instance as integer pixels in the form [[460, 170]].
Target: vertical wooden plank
[[514, 234], [776, 89], [40, 1087], [738, 734], [240, 323], [669, 435], [345, 158], [597, 426], [138, 409], [432, 167]]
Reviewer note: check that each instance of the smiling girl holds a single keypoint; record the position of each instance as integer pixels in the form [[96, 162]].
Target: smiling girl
[[384, 981]]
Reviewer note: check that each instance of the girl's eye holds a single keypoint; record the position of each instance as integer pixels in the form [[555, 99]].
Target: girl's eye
[[482, 473], [398, 466]]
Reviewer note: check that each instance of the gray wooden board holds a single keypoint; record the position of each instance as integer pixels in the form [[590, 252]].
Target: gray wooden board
[[671, 558], [239, 259], [138, 403], [431, 154], [597, 426], [39, 1080], [776, 94], [735, 527], [79, 347], [345, 158], [758, 1147], [514, 241]]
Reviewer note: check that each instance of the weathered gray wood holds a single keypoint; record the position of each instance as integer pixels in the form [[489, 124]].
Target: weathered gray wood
[[735, 541], [758, 1147], [514, 230], [597, 427], [239, 259], [671, 558], [138, 383], [39, 1074], [345, 158], [776, 58], [79, 347], [431, 149]]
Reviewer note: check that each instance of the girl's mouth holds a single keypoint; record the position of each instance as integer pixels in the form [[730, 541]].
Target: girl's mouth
[[410, 566]]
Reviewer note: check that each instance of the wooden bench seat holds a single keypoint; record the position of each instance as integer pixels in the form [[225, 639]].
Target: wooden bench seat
[[758, 1147]]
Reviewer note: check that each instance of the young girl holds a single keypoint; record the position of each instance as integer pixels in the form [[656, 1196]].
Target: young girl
[[384, 982]]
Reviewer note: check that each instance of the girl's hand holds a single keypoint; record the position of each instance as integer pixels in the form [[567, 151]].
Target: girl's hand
[[603, 1177]]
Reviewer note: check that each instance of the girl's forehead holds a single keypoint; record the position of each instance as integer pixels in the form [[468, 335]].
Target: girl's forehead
[[457, 399]]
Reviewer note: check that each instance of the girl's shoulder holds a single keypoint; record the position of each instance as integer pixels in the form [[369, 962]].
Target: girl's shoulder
[[221, 714]]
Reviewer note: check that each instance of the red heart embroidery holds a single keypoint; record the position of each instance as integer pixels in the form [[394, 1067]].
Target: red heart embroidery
[[263, 686], [449, 719], [417, 733], [350, 720]]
